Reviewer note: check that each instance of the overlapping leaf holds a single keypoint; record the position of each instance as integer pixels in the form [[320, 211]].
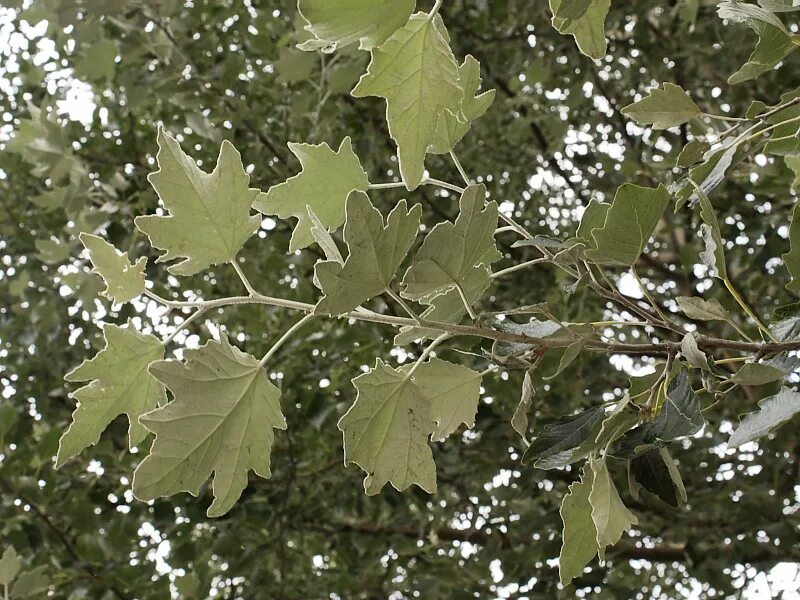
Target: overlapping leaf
[[585, 21], [417, 74], [338, 23], [628, 224], [323, 184], [611, 517], [119, 384], [209, 218], [452, 128], [220, 421], [387, 428], [124, 280], [376, 253], [579, 537], [792, 258]]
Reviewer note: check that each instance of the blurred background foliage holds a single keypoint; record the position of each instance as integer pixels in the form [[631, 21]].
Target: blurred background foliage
[[85, 84]]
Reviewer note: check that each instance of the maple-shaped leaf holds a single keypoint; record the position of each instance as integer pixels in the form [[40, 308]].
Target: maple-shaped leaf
[[417, 74], [376, 253], [664, 107], [209, 218], [456, 254], [124, 280], [453, 392], [386, 431], [452, 128], [220, 422], [323, 184], [119, 384], [338, 23]]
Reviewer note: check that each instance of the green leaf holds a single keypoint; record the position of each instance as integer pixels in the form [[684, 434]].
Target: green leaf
[[210, 216], [772, 413], [652, 471], [703, 310], [785, 138], [619, 421], [663, 108], [679, 416], [124, 280], [519, 420], [793, 163], [572, 352], [323, 184], [119, 384], [629, 222], [710, 173], [417, 74], [570, 9], [758, 374], [773, 46], [453, 392], [31, 583], [220, 422], [452, 128], [562, 442], [98, 62], [456, 254], [692, 153], [742, 12], [792, 258], [587, 28], [386, 431], [692, 353], [579, 537], [375, 254], [714, 254], [324, 238], [10, 565], [338, 23], [610, 516]]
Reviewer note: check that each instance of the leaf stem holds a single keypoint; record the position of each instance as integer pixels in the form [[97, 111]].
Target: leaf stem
[[284, 338], [470, 312], [426, 353], [181, 326], [442, 184], [245, 281], [739, 330], [435, 9], [771, 127], [386, 186], [517, 267], [460, 168], [403, 304], [725, 118], [746, 308]]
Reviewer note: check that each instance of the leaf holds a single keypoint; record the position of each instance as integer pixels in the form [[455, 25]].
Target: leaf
[[792, 258], [692, 353], [386, 431], [692, 153], [452, 128], [587, 29], [417, 74], [559, 443], [652, 472], [679, 417], [742, 12], [534, 328], [456, 254], [773, 412], [124, 280], [785, 137], [773, 46], [758, 374], [98, 62], [338, 23], [594, 217], [793, 163], [323, 184], [663, 108], [519, 420], [572, 352], [579, 537], [323, 237], [610, 516], [31, 583], [714, 254], [10, 565], [629, 223], [376, 253], [571, 9], [453, 392], [119, 384], [220, 421], [709, 174], [703, 310], [210, 216], [619, 421]]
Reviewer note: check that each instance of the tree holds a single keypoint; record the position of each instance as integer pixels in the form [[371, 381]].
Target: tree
[[530, 270]]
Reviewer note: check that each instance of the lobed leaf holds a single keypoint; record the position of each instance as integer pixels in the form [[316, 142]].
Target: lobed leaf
[[663, 108], [773, 412], [124, 280]]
